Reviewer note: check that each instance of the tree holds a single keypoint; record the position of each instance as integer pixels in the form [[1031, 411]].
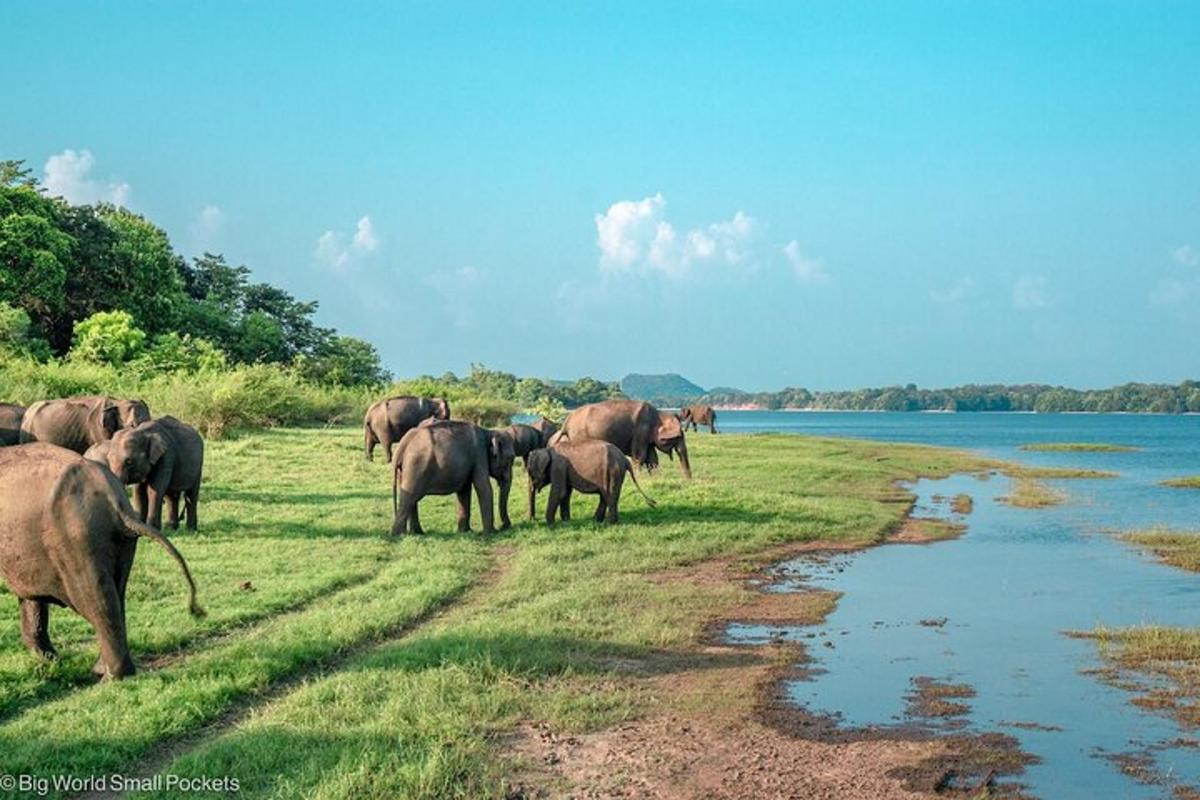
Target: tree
[[174, 353], [344, 361], [17, 337], [151, 286], [107, 337]]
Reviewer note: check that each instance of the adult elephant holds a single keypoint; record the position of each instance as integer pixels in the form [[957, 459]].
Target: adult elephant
[[546, 427], [68, 536], [165, 458], [451, 457], [386, 421], [77, 423], [698, 414], [634, 426], [10, 423]]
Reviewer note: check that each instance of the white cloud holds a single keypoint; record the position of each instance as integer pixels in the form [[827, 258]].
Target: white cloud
[[1186, 255], [340, 252], [207, 227], [959, 291], [1031, 292], [806, 268], [633, 236], [67, 176]]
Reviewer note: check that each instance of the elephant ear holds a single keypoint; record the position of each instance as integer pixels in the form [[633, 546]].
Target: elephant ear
[[668, 430], [539, 466], [156, 447], [103, 421]]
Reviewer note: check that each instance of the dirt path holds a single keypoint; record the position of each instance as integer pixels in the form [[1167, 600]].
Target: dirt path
[[169, 751], [719, 727]]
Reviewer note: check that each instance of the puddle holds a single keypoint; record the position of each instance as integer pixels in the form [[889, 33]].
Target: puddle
[[967, 636]]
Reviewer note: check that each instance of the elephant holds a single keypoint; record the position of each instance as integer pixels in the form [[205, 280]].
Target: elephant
[[698, 414], [165, 458], [591, 467], [10, 423], [525, 439], [635, 427], [68, 536], [386, 421], [77, 423], [451, 457], [546, 427]]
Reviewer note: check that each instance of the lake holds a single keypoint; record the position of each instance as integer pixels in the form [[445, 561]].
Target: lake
[[990, 608]]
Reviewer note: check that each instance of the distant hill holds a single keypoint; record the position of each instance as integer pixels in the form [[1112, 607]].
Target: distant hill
[[662, 390]]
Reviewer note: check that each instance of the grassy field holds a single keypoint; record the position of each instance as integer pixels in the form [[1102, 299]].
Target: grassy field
[[338, 662]]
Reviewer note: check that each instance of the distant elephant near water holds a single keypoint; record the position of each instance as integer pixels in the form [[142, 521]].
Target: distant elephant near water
[[77, 423], [637, 428], [698, 414], [386, 421], [10, 423]]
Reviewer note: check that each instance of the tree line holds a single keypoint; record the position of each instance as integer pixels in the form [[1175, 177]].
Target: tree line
[[101, 283]]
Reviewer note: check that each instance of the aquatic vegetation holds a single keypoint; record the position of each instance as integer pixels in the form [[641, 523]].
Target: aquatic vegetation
[[1031, 493], [1060, 473], [1159, 664], [1190, 482], [962, 504], [1077, 447], [1177, 548]]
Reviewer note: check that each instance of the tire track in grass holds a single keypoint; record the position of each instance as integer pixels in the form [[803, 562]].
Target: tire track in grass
[[105, 728], [168, 752]]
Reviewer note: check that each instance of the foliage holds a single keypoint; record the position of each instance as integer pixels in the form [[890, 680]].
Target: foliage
[[174, 353], [344, 361], [17, 337], [530, 394], [107, 337]]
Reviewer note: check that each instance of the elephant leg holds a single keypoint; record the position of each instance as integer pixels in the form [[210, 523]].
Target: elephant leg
[[601, 509], [532, 498], [553, 502], [405, 508], [565, 509], [614, 498], [386, 442], [141, 501], [173, 510], [94, 596], [464, 509], [369, 442], [154, 506], [193, 496], [35, 628], [414, 519], [505, 487], [483, 488]]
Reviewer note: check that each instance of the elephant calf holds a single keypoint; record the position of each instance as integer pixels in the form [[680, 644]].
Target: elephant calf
[[451, 457], [591, 467], [68, 537], [165, 457]]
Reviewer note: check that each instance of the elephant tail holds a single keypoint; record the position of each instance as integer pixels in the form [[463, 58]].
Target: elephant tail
[[638, 486], [135, 527], [396, 488]]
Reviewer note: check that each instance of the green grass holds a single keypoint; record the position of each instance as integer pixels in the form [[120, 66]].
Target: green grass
[[1177, 548], [1190, 482], [1031, 493], [1159, 664], [300, 516], [1077, 447]]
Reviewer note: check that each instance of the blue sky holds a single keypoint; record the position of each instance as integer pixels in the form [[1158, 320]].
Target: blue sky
[[753, 194]]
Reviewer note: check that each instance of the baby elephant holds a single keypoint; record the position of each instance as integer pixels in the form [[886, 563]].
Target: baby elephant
[[68, 537], [165, 457], [591, 467]]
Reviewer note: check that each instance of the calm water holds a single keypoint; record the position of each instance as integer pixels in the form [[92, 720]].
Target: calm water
[[1007, 590]]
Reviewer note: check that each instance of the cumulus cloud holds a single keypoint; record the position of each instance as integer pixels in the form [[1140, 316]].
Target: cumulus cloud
[[634, 236], [961, 290], [207, 226], [805, 268], [1031, 292], [1186, 255], [66, 175], [340, 252]]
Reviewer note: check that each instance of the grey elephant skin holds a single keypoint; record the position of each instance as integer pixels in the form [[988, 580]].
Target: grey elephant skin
[[698, 414], [637, 428], [451, 457], [546, 427], [68, 537], [165, 458], [10, 423], [77, 423], [386, 421], [525, 439], [591, 467]]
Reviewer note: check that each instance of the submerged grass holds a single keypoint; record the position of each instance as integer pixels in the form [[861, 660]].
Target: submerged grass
[[1077, 447], [299, 575], [1159, 664], [1190, 482]]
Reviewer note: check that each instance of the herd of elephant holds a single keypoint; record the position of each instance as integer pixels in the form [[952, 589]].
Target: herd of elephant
[[69, 532]]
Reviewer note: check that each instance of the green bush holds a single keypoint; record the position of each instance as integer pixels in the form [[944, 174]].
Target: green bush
[[107, 337]]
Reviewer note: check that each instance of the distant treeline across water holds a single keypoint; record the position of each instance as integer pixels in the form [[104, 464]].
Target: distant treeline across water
[[1129, 397]]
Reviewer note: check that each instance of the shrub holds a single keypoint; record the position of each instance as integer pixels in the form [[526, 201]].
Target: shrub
[[107, 337]]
